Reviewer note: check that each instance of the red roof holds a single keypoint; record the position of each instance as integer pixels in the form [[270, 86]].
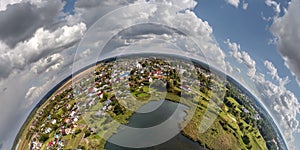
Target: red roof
[[50, 144], [67, 120], [91, 89]]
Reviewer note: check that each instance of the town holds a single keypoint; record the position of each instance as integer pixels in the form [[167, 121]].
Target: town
[[82, 113]]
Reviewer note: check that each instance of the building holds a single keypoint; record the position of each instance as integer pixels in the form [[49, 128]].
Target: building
[[53, 121], [48, 130], [186, 88]]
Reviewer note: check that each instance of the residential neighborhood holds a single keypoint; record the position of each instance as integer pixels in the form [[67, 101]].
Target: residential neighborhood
[[89, 109]]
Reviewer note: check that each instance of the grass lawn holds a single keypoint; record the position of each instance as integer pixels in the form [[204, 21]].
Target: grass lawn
[[218, 137], [51, 137], [73, 142], [215, 137], [173, 97]]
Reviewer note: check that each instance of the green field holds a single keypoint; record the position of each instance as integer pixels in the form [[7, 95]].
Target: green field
[[224, 133]]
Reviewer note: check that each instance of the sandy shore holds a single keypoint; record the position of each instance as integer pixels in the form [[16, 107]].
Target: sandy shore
[[75, 79]]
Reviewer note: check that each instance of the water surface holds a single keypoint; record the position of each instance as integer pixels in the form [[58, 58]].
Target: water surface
[[155, 127]]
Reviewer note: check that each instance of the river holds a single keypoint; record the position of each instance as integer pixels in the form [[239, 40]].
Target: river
[[155, 129]]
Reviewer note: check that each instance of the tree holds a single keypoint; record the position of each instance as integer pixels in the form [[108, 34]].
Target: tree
[[246, 139], [81, 147], [170, 86], [105, 96], [87, 133], [43, 138], [77, 131]]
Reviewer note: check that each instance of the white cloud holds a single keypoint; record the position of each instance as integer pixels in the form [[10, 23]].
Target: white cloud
[[37, 92], [245, 5], [4, 3], [271, 68], [274, 4], [183, 4], [242, 57], [194, 27], [89, 11], [19, 29], [283, 104], [251, 72], [248, 60], [234, 3], [47, 64], [234, 50], [286, 29], [265, 18], [229, 68], [45, 40], [40, 46]]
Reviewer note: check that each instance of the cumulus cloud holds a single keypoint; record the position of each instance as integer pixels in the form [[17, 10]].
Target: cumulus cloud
[[234, 50], [40, 46], [248, 60], [89, 11], [274, 5], [283, 104], [286, 30], [229, 68], [234, 3], [20, 21], [6, 3], [47, 64], [37, 92], [183, 4], [272, 70], [242, 57], [163, 15], [245, 5]]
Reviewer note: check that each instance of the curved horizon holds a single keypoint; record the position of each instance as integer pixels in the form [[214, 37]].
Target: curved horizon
[[52, 90]]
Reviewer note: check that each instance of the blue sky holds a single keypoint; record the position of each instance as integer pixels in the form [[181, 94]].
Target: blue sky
[[247, 28], [69, 7]]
